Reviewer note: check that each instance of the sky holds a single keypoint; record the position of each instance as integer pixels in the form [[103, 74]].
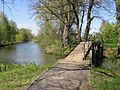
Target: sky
[[20, 12]]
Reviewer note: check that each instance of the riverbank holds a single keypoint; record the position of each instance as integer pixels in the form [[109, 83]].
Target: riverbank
[[18, 77], [3, 45], [16, 70]]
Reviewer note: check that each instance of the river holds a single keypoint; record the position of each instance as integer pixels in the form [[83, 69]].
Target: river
[[25, 53]]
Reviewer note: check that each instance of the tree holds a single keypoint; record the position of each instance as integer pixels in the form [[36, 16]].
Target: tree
[[8, 30], [89, 19], [47, 35], [96, 8], [118, 19], [77, 8], [118, 23], [23, 35], [109, 32], [4, 25], [12, 31], [66, 12]]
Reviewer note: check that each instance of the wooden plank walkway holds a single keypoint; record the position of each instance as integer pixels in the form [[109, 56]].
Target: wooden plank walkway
[[71, 73]]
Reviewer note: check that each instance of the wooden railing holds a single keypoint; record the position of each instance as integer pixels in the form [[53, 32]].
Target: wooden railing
[[97, 53]]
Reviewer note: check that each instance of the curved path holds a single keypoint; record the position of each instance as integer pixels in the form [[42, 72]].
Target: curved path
[[71, 73]]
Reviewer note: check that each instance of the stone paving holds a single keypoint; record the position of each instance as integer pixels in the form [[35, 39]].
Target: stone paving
[[71, 73]]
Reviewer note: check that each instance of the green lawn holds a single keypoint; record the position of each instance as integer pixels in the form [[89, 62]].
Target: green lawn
[[105, 79], [15, 76]]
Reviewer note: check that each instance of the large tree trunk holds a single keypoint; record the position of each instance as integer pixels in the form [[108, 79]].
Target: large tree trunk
[[78, 34], [76, 8], [118, 23], [118, 20], [65, 35], [83, 14], [89, 19]]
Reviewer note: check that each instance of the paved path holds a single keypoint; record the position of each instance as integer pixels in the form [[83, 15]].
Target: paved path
[[71, 73]]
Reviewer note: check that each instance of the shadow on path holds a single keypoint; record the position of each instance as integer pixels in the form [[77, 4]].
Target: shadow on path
[[71, 73]]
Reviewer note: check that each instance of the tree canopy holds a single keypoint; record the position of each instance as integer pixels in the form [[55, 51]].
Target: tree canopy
[[9, 33]]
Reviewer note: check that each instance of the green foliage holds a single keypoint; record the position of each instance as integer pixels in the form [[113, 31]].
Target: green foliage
[[46, 35], [111, 53], [9, 33], [109, 33], [12, 31], [23, 35], [72, 42], [49, 39], [3, 28]]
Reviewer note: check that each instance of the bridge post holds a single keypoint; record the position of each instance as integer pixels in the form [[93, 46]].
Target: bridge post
[[97, 54], [118, 51]]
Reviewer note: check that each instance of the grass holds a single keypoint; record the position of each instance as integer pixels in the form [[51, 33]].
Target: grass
[[16, 76], [110, 45], [105, 79]]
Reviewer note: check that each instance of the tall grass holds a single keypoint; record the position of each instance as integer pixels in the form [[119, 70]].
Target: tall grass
[[16, 77], [107, 77]]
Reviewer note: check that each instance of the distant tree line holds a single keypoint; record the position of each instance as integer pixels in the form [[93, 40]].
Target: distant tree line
[[9, 32]]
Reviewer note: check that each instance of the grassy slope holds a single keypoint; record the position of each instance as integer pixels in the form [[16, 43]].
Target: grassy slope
[[18, 76], [105, 79]]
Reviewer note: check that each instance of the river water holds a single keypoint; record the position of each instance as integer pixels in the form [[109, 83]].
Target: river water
[[25, 53]]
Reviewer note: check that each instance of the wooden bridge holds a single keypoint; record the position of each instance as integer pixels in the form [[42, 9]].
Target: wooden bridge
[[71, 73]]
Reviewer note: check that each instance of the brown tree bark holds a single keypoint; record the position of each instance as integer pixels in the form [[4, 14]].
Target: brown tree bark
[[78, 34], [83, 14], [89, 19], [65, 35], [118, 23], [76, 8], [118, 20]]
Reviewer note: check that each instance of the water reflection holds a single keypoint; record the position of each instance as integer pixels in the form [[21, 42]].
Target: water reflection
[[25, 53]]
